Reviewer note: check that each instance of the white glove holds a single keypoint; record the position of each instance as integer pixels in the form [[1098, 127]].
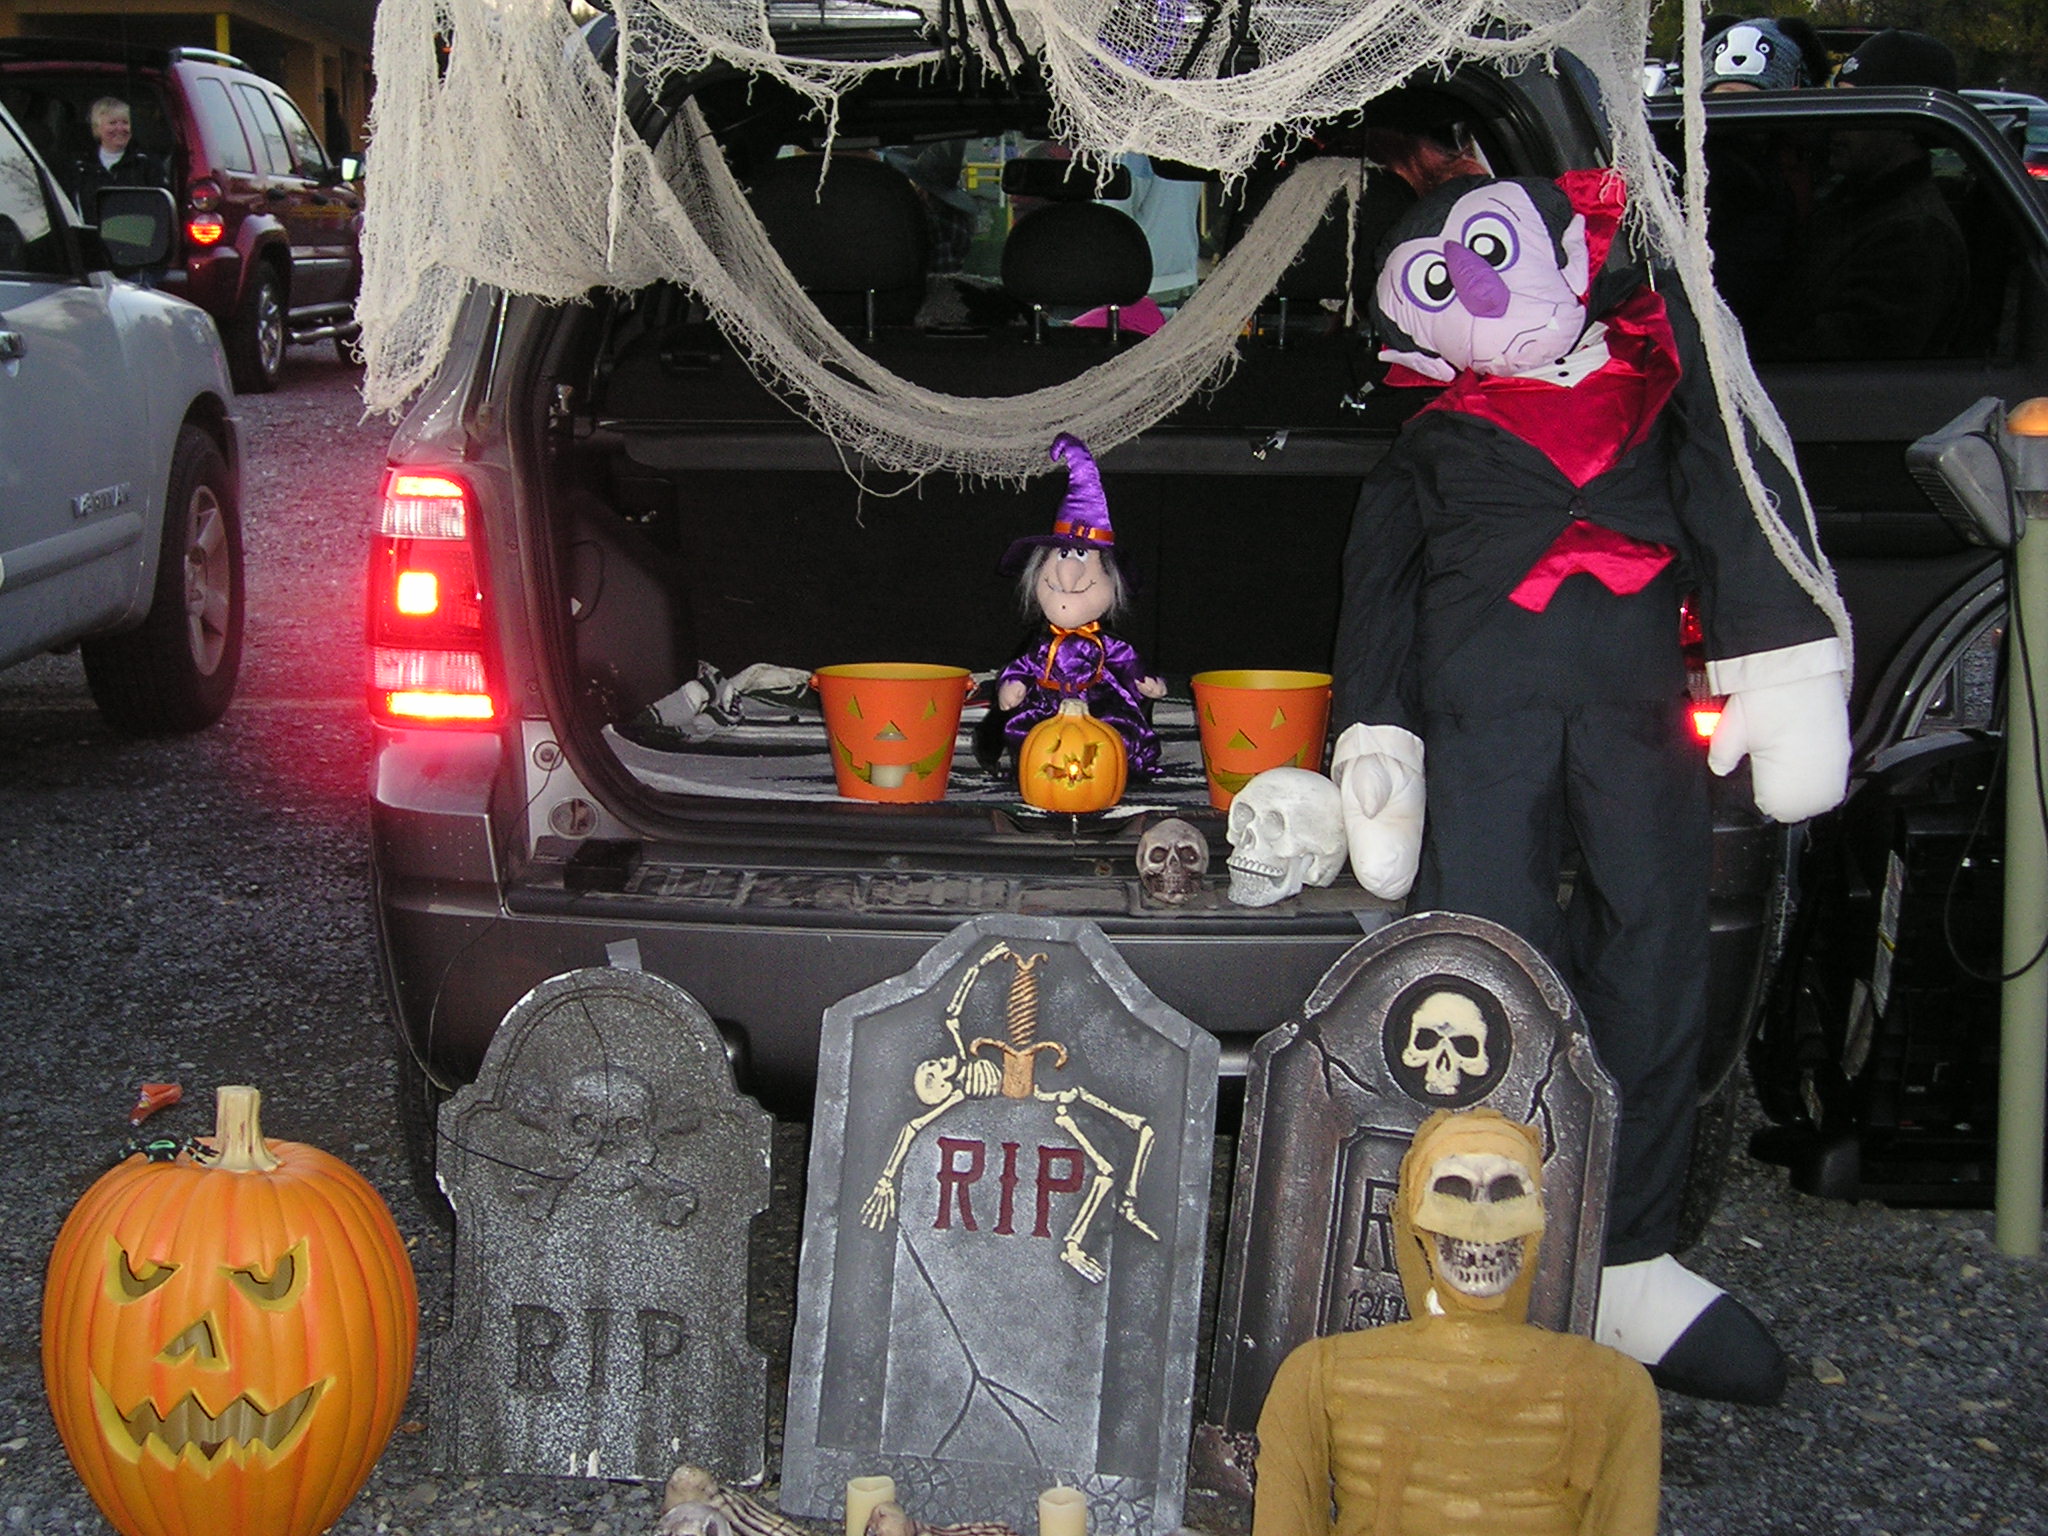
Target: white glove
[[1796, 736], [1378, 773]]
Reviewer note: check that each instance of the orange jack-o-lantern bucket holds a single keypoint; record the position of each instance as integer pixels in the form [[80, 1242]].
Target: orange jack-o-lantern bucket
[[891, 726], [1252, 720]]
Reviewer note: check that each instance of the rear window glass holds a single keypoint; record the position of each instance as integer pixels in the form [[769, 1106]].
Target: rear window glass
[[1888, 240], [226, 146], [55, 110], [277, 154]]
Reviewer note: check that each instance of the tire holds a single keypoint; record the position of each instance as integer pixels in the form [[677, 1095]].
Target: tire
[[1706, 1174], [176, 671], [256, 338], [419, 1109]]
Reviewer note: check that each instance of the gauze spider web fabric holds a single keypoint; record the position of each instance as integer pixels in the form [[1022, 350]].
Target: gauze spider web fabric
[[501, 157]]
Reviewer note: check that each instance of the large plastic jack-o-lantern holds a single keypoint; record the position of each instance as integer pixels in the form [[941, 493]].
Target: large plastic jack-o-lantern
[[892, 725], [1253, 719], [1071, 761], [227, 1341]]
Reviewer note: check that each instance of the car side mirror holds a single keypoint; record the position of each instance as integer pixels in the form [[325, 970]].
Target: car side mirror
[[135, 225]]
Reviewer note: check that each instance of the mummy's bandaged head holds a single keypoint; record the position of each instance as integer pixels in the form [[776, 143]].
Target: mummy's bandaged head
[[1469, 1217], [1484, 273]]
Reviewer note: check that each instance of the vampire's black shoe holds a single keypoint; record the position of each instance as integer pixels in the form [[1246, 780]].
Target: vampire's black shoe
[[1694, 1337]]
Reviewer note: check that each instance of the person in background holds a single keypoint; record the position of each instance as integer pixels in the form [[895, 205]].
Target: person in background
[[1883, 270], [1169, 210], [1899, 57], [114, 161], [1766, 53]]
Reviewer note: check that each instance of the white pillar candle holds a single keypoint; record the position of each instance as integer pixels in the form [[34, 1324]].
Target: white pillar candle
[[862, 1495], [1063, 1512]]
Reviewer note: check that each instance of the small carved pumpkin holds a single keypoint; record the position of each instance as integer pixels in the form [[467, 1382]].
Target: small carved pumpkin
[[227, 1342], [1071, 761]]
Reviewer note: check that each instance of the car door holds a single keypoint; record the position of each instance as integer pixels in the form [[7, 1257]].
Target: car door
[[318, 215], [75, 492], [1866, 347]]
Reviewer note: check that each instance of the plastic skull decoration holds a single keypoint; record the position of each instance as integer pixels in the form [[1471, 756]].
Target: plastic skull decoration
[[607, 1122], [1479, 1210], [1172, 858], [1447, 1041], [1286, 831]]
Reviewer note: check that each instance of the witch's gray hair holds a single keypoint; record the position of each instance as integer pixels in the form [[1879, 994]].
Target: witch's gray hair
[[1027, 582]]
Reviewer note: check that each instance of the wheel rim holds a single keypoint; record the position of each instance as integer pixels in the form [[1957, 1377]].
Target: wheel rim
[[269, 328], [209, 580]]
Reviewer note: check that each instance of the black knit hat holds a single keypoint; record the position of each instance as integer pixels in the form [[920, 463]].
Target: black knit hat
[[1899, 57]]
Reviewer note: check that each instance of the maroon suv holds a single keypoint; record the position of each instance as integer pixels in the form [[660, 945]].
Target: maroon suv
[[269, 224]]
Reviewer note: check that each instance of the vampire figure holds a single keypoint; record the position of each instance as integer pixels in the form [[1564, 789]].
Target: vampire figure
[[1512, 590], [1070, 577]]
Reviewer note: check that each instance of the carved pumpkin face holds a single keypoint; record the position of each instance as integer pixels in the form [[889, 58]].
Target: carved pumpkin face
[[892, 727], [1252, 720], [1072, 762], [228, 1350]]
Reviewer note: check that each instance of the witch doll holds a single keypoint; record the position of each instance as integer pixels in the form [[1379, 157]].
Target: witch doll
[[1070, 577]]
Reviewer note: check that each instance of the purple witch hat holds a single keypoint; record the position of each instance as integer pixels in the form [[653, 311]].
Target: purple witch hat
[[1082, 521]]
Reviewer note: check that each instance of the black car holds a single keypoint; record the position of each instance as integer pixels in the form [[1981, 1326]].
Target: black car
[[1876, 1048], [618, 508]]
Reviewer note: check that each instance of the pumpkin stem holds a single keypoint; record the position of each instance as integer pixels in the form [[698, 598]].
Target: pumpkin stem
[[1073, 706], [238, 1131]]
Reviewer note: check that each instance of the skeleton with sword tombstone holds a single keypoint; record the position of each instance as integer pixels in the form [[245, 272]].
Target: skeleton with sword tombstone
[[1010, 1071]]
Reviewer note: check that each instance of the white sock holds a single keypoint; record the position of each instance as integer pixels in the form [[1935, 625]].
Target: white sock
[[1646, 1306]]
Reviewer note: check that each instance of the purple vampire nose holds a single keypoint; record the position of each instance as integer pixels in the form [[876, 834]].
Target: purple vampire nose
[[1479, 287]]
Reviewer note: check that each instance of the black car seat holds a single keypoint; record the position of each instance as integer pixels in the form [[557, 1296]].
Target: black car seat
[[1312, 287], [855, 242], [1078, 256]]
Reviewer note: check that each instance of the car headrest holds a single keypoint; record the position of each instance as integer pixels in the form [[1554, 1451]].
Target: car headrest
[[864, 228], [1077, 254]]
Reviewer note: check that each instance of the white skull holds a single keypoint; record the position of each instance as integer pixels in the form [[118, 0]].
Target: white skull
[[607, 1121], [1480, 1209], [1286, 831], [693, 1520], [1172, 858], [1447, 1039]]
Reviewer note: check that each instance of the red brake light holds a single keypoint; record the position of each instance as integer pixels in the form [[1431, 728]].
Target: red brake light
[[427, 634], [203, 194], [1704, 718], [205, 228]]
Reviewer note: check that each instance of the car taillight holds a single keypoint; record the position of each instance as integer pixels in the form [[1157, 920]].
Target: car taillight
[[203, 195], [205, 228], [1692, 642], [428, 651]]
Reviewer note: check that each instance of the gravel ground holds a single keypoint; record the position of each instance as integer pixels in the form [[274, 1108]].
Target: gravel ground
[[196, 910]]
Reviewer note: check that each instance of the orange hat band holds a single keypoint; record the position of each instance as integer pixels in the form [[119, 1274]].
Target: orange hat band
[[1063, 528]]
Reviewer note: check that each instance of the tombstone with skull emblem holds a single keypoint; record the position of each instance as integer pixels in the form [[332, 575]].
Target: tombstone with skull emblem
[[604, 1174], [1286, 831], [1438, 1011], [1173, 856]]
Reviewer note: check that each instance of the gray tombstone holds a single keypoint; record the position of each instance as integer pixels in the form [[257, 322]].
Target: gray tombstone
[[1003, 1236], [1437, 1011], [603, 1172]]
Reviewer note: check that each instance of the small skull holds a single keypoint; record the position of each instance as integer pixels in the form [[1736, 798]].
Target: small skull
[[693, 1520], [1286, 831], [1172, 858], [607, 1122], [1447, 1040], [1481, 1209]]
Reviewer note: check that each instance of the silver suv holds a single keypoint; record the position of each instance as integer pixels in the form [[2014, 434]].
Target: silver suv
[[120, 528]]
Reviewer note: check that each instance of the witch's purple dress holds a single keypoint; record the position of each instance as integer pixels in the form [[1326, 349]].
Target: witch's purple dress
[[1100, 670]]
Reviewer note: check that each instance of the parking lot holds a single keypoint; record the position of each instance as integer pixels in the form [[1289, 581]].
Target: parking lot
[[195, 909]]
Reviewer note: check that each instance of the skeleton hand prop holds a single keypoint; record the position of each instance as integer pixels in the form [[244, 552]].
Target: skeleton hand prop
[[879, 1209], [1796, 736], [1378, 769]]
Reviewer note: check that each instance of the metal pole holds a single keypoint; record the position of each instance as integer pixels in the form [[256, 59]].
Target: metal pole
[[2023, 1014]]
